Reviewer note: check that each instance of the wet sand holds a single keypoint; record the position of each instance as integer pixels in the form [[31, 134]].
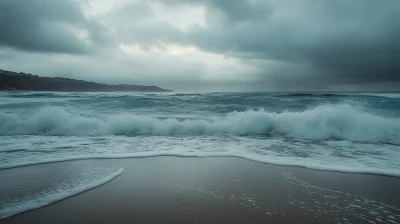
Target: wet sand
[[209, 190]]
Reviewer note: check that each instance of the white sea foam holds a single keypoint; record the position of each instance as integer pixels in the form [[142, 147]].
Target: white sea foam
[[331, 121], [275, 160], [61, 191], [387, 95]]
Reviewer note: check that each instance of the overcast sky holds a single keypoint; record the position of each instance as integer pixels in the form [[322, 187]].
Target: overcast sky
[[207, 45]]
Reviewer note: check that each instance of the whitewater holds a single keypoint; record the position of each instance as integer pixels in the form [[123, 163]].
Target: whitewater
[[346, 132]]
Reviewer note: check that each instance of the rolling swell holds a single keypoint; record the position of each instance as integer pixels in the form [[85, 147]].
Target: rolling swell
[[315, 95], [331, 121]]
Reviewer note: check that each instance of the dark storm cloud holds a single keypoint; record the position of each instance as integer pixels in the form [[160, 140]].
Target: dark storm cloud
[[281, 45], [47, 26], [344, 41], [339, 42]]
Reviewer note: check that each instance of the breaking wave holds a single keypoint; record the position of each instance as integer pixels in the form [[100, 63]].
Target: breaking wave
[[331, 121], [59, 191]]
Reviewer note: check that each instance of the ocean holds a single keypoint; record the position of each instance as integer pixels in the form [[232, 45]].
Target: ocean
[[346, 132]]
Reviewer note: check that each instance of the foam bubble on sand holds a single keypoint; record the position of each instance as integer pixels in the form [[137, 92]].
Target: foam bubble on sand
[[344, 207], [90, 178]]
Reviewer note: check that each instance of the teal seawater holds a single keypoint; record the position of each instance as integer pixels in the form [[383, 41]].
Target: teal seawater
[[349, 132]]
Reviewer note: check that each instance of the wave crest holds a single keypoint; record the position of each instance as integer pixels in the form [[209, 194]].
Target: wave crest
[[323, 122]]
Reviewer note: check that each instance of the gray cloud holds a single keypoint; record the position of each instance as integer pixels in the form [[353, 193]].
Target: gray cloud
[[339, 42], [294, 45], [135, 23], [348, 41], [48, 26]]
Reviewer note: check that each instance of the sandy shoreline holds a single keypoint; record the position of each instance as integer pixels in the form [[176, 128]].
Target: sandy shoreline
[[208, 190]]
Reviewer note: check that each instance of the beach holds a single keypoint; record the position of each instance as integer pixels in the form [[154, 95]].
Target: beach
[[199, 111], [205, 190]]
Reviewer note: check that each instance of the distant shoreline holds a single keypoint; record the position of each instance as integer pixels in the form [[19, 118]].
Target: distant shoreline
[[87, 91], [13, 81]]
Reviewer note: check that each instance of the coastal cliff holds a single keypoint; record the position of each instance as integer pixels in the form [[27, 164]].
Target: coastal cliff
[[29, 82]]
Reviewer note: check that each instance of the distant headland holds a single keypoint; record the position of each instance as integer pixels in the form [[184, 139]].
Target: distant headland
[[27, 82]]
